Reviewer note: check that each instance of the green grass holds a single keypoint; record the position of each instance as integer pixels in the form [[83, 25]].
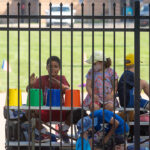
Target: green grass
[[66, 54]]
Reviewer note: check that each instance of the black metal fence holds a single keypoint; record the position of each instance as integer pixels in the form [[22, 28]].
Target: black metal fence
[[17, 141]]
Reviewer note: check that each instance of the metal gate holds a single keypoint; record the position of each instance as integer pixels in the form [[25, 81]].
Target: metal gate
[[105, 27]]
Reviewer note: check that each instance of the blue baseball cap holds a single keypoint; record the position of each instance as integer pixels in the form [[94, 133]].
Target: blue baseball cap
[[87, 123]]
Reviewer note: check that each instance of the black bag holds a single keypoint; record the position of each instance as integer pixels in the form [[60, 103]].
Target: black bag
[[11, 131]]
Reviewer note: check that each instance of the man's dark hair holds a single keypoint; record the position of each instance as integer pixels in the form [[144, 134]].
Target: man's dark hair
[[53, 58], [77, 115]]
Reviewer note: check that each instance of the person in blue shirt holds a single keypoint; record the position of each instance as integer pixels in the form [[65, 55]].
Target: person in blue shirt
[[114, 125], [85, 131], [128, 78]]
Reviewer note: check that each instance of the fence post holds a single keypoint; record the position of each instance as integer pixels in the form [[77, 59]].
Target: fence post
[[137, 75]]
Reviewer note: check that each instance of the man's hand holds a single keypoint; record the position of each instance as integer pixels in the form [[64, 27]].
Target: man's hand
[[56, 81], [32, 79]]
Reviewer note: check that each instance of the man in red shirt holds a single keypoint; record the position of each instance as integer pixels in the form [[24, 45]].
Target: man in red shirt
[[50, 81]]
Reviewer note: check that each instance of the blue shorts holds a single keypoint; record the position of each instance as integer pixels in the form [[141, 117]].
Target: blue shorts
[[143, 102]]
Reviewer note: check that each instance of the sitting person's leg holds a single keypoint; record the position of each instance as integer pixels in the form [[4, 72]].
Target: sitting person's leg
[[96, 106], [109, 106], [144, 86], [127, 116]]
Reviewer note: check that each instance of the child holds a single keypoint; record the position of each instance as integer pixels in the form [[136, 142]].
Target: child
[[84, 131], [98, 123], [52, 81], [128, 77], [98, 83], [113, 124]]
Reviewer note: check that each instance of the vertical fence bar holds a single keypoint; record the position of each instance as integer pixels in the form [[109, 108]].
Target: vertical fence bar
[[93, 75], [124, 84], [114, 51], [82, 63], [61, 5], [71, 74], [114, 54], [149, 73], [29, 35], [18, 76], [103, 69], [50, 53], [40, 84], [137, 75], [8, 75]]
